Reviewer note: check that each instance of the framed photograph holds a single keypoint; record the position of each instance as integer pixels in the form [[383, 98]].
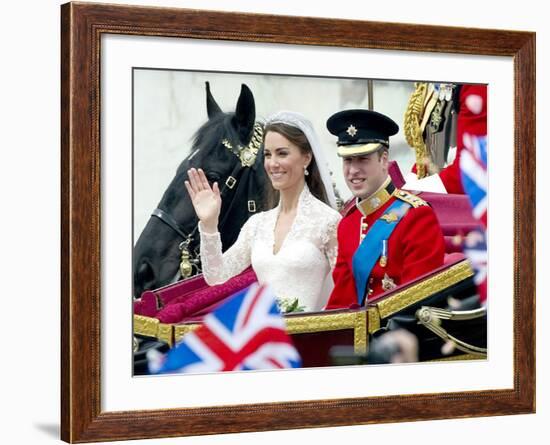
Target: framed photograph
[[172, 110], [135, 91]]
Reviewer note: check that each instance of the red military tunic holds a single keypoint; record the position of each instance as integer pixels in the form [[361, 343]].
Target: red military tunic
[[415, 247]]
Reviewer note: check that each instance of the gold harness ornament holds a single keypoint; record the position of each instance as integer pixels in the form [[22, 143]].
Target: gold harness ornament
[[186, 262], [248, 154]]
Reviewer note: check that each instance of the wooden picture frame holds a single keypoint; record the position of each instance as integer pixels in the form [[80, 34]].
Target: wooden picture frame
[[82, 26]]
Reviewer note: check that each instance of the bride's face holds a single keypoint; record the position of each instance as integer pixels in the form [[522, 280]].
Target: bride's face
[[283, 161]]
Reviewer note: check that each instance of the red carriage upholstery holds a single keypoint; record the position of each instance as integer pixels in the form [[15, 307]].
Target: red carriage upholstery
[[175, 302]]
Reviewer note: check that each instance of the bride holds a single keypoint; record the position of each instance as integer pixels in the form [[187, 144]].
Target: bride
[[291, 247]]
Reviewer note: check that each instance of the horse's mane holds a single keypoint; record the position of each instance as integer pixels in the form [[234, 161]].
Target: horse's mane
[[209, 136]]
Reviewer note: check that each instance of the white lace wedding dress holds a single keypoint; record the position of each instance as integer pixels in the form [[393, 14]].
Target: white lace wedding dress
[[300, 269]]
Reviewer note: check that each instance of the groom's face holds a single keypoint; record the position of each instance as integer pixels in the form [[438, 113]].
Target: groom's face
[[364, 174]]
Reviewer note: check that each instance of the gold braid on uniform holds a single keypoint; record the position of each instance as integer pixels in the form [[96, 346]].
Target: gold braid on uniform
[[412, 127], [413, 200]]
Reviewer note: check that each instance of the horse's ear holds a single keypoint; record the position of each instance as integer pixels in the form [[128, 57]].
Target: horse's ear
[[245, 114], [212, 106]]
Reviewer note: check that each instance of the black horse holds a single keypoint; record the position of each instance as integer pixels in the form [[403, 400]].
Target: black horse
[[227, 148]]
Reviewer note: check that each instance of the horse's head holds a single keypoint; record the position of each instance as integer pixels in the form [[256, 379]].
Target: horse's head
[[226, 147]]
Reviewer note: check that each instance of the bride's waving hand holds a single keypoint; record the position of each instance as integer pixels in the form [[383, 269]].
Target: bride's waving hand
[[206, 200]]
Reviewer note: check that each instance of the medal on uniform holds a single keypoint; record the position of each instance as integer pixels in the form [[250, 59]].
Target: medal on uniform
[[388, 283], [384, 257], [363, 229]]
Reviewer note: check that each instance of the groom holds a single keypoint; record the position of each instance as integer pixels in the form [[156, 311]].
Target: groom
[[389, 236]]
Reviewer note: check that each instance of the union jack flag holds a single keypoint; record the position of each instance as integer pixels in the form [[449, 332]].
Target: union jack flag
[[473, 168], [247, 332], [475, 249]]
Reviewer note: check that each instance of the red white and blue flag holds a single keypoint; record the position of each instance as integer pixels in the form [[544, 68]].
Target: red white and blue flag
[[473, 169], [247, 332], [475, 249]]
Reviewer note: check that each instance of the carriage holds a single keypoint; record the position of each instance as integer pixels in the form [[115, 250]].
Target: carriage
[[168, 313], [164, 314]]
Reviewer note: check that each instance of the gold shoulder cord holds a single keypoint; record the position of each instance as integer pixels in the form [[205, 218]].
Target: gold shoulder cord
[[412, 127], [409, 198]]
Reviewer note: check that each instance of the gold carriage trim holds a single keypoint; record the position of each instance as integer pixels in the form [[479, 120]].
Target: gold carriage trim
[[420, 291], [165, 333], [332, 322], [151, 327], [181, 329], [459, 358], [374, 319], [430, 318], [146, 326], [305, 324]]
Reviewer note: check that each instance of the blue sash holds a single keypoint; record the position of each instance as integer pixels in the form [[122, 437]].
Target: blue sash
[[370, 249]]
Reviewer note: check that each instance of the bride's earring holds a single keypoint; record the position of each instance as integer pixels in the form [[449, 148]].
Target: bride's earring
[[305, 170]]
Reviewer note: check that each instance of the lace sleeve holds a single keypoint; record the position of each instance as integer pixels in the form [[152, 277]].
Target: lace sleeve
[[330, 241], [217, 268]]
